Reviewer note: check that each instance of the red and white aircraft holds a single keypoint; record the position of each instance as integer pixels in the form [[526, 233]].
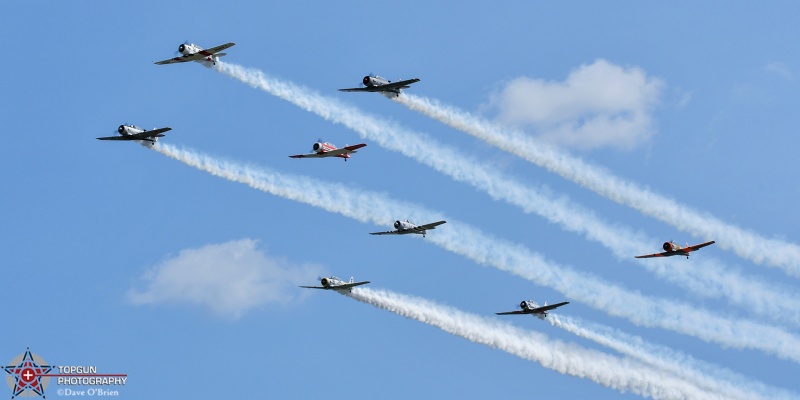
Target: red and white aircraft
[[334, 283], [324, 149], [530, 307], [193, 52], [373, 83], [672, 249]]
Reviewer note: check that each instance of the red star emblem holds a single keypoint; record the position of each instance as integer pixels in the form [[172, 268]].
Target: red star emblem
[[27, 375]]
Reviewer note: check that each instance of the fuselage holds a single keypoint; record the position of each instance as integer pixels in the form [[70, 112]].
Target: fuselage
[[324, 147]]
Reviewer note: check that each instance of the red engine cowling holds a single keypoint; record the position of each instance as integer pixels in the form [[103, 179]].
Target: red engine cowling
[[668, 246]]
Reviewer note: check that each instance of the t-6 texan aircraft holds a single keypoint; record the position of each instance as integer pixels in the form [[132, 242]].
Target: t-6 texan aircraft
[[334, 283], [406, 227], [672, 249], [381, 85], [324, 149], [193, 52], [142, 136], [530, 307]]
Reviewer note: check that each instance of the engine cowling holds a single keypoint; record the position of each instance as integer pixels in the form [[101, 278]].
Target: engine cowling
[[317, 146], [367, 81], [524, 305], [668, 246], [121, 129], [325, 282], [397, 224]]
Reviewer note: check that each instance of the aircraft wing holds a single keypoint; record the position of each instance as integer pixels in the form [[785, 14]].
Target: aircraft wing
[[310, 155], [432, 225], [117, 138], [512, 312], [398, 85], [546, 308], [385, 233], [180, 59], [700, 246], [344, 150], [359, 89], [664, 254], [216, 49]]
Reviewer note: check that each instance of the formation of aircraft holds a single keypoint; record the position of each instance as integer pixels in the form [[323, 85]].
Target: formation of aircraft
[[383, 86], [193, 52], [406, 227], [142, 136], [530, 307], [334, 283], [371, 83], [672, 249], [324, 149]]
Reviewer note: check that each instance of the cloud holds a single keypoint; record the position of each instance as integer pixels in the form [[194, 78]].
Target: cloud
[[598, 105], [228, 279], [780, 69]]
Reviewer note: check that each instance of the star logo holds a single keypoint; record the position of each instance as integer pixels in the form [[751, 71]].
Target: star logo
[[25, 375]]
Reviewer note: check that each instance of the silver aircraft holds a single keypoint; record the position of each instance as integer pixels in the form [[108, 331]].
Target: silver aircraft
[[334, 283], [406, 227], [141, 136], [530, 307], [193, 52], [373, 83]]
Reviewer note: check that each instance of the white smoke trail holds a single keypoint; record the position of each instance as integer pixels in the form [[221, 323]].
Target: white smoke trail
[[709, 279], [704, 375], [744, 243], [483, 249], [621, 374]]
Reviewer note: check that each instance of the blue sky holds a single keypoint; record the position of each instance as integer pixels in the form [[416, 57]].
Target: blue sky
[[117, 256]]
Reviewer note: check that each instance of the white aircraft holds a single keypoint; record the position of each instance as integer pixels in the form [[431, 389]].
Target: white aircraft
[[406, 227], [334, 283], [324, 149], [193, 52], [381, 85], [141, 136], [530, 307]]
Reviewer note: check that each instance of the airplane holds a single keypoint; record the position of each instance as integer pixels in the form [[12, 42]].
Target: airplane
[[530, 307], [193, 52], [406, 227], [324, 149], [672, 249], [334, 283], [142, 136], [381, 85]]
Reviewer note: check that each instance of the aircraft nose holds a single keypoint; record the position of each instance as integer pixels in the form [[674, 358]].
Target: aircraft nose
[[181, 48], [397, 224], [324, 282], [316, 146], [121, 129], [366, 80], [523, 304]]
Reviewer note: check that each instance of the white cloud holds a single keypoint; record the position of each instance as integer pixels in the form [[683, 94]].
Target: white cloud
[[228, 279], [780, 69], [598, 105]]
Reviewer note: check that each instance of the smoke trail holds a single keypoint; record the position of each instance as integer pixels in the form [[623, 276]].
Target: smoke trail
[[704, 375], [483, 249], [744, 243], [617, 373], [710, 279]]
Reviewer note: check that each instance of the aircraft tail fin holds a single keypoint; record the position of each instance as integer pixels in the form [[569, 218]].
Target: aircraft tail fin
[[351, 279]]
